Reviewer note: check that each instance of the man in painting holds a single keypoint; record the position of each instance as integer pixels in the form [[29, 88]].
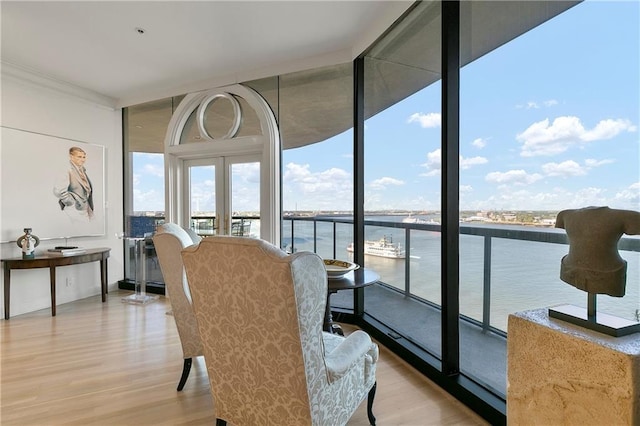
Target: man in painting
[[76, 190]]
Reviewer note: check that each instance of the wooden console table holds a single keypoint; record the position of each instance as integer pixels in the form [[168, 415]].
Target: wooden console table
[[51, 262]]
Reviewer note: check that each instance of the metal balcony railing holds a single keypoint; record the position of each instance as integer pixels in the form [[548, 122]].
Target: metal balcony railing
[[488, 234], [293, 231]]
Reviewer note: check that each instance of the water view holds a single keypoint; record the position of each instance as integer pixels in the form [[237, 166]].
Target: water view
[[524, 274]]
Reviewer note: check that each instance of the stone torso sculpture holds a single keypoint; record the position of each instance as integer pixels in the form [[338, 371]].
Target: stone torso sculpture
[[593, 263]]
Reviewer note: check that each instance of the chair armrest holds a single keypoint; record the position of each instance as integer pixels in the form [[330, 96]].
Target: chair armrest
[[354, 348]]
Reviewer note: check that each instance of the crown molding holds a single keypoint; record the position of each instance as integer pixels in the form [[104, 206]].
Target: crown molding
[[16, 72]]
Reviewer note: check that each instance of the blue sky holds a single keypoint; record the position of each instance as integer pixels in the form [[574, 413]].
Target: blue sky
[[548, 121]]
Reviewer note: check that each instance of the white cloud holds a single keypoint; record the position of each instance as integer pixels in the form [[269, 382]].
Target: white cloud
[[479, 143], [590, 196], [330, 189], [629, 198], [464, 189], [148, 201], [153, 169], [296, 172], [434, 162], [466, 163], [536, 105], [433, 119], [247, 172], [542, 138], [517, 177], [607, 129], [384, 182], [527, 198], [309, 182], [510, 199], [202, 195], [572, 168], [558, 198], [590, 162], [564, 169]]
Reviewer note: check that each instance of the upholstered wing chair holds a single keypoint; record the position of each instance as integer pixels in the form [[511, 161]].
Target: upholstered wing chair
[[169, 241], [260, 313]]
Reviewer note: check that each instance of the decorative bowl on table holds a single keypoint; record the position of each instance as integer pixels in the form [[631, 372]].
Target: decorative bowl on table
[[338, 268]]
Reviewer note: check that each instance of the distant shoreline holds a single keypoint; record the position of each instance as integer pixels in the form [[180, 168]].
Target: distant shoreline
[[542, 218]]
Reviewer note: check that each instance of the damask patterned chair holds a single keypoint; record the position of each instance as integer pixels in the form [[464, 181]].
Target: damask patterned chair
[[260, 313], [169, 241]]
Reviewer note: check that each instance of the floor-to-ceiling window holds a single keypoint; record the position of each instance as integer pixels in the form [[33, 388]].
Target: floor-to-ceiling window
[[506, 255], [314, 110], [145, 128], [316, 122], [402, 138], [548, 120]]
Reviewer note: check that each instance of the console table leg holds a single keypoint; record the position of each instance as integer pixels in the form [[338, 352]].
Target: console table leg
[[51, 262], [52, 278], [7, 287], [103, 280]]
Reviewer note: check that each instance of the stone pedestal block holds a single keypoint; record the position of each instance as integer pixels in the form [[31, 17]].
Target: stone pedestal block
[[561, 374]]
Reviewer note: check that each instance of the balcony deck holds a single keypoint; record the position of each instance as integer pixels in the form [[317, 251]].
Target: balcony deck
[[483, 354]]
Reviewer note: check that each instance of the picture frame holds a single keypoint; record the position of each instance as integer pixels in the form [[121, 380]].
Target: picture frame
[[33, 169]]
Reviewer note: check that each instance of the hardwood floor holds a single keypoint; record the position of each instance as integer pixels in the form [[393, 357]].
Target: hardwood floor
[[119, 364]]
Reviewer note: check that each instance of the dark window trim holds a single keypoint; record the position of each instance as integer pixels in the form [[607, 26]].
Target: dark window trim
[[450, 204], [445, 373], [358, 175]]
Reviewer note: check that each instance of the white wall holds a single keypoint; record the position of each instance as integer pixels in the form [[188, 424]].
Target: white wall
[[36, 106]]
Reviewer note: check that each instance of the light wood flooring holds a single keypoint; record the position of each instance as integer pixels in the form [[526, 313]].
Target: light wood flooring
[[119, 364]]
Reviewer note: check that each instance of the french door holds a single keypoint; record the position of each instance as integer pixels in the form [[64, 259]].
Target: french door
[[222, 164], [223, 195]]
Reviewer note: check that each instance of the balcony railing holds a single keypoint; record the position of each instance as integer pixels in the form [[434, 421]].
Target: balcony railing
[[294, 234], [329, 237]]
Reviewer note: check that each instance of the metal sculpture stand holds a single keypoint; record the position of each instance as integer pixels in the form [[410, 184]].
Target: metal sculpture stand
[[588, 318]]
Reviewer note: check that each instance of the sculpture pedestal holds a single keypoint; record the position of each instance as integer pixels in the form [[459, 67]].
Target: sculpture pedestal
[[140, 297], [559, 373], [603, 323]]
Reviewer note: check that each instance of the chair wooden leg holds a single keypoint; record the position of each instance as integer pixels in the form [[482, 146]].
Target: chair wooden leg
[[186, 368], [372, 394], [220, 422]]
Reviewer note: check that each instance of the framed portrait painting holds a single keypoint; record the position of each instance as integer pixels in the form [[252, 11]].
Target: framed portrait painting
[[53, 185]]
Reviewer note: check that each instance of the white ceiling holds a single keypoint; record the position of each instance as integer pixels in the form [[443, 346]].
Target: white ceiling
[[186, 46]]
